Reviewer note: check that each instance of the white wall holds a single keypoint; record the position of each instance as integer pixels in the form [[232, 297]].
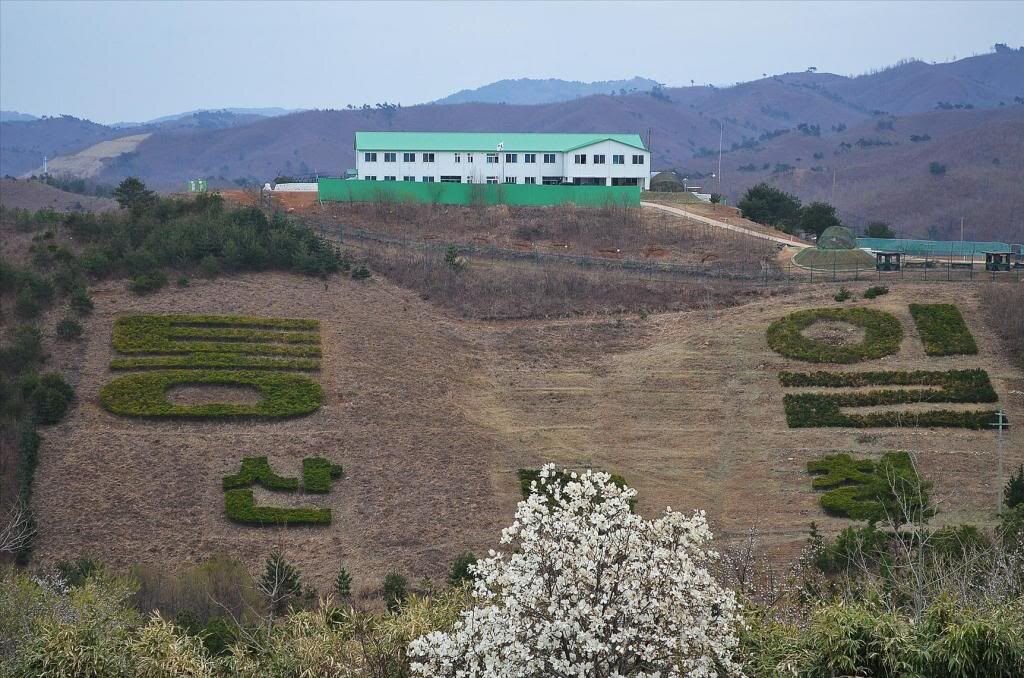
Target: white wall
[[479, 169]]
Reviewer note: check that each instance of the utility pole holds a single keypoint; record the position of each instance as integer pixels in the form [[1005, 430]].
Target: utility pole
[[721, 136], [961, 229], [832, 200], [1001, 423]]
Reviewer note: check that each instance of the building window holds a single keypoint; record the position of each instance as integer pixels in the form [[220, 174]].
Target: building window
[[492, 158], [469, 157], [530, 158], [618, 160], [449, 179], [549, 158], [427, 180], [511, 157], [551, 181], [408, 178], [530, 180], [389, 178], [580, 158], [625, 181], [638, 159], [390, 157], [369, 157], [492, 180], [408, 157], [458, 157], [599, 159], [428, 157], [370, 178], [510, 180]]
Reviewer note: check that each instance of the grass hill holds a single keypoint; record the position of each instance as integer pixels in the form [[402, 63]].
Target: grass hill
[[549, 91]]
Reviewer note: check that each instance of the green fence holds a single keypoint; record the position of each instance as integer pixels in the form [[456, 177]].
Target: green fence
[[354, 190]]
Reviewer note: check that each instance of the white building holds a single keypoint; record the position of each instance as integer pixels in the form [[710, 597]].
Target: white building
[[503, 158]]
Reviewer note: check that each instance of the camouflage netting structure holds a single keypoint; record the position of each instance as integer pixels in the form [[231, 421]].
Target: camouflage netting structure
[[837, 238]]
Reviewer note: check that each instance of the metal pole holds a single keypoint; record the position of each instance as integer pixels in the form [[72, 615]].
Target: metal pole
[[721, 136], [1000, 424]]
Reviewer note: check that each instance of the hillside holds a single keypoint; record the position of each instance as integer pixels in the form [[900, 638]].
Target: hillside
[[35, 195], [552, 90]]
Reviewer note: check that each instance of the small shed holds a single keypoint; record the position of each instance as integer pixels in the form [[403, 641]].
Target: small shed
[[888, 261], [997, 261]]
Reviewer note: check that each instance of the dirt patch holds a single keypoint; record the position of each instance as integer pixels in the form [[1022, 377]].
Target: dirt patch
[[835, 333], [652, 252], [205, 394]]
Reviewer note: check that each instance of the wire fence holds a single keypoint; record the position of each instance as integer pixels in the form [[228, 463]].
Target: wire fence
[[765, 271]]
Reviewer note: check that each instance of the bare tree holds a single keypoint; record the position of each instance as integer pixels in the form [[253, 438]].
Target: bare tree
[[18, 528]]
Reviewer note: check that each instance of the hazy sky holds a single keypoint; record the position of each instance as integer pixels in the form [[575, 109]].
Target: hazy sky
[[131, 61]]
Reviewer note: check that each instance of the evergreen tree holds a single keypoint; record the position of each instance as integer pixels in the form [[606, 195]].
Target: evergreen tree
[[343, 584], [281, 582], [133, 195], [396, 589], [1014, 490], [769, 205]]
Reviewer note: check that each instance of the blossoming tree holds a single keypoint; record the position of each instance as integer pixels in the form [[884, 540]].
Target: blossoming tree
[[590, 589]]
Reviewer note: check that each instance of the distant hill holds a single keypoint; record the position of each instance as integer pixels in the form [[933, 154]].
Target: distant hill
[[35, 195], [15, 116], [530, 91], [235, 115]]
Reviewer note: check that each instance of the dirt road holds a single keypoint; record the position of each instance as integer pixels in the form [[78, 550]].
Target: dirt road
[[683, 212]]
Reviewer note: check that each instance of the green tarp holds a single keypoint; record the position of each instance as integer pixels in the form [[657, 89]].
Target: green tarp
[[355, 190]]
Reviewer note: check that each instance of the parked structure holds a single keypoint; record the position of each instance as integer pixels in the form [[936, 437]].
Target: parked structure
[[503, 158]]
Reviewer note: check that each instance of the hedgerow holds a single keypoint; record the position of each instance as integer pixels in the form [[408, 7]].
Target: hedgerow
[[257, 470], [864, 489], [317, 474], [241, 507], [812, 410], [182, 333], [882, 335], [943, 330], [214, 360], [957, 386], [145, 394]]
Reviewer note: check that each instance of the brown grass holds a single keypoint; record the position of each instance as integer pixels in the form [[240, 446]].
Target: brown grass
[[1004, 311]]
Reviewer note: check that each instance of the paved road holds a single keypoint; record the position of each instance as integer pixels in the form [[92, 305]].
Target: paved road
[[682, 212]]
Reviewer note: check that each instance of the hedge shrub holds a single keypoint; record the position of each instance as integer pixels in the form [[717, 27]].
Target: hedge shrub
[[875, 292], [238, 334], [943, 330], [257, 470], [318, 473], [145, 394], [241, 507], [69, 329], [864, 489], [883, 334]]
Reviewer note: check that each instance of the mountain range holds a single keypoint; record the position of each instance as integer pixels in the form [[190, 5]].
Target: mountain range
[[918, 145], [530, 91]]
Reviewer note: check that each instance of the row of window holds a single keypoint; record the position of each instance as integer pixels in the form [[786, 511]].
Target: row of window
[[469, 180], [510, 158]]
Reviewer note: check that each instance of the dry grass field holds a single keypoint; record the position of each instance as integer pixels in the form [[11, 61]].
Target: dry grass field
[[431, 415]]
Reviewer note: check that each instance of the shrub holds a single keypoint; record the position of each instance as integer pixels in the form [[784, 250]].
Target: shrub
[[459, 571], [843, 294], [81, 302], [883, 334], [257, 470], [69, 329], [281, 582], [396, 590], [1013, 493], [867, 490], [943, 330], [936, 168], [875, 292], [183, 281], [145, 394], [318, 473], [24, 348], [241, 507], [343, 585], [51, 398], [360, 273], [200, 334], [214, 360], [26, 306], [148, 282], [210, 266], [769, 205]]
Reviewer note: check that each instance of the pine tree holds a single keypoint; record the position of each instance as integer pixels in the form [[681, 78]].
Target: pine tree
[[1014, 490], [343, 584], [396, 590], [280, 583]]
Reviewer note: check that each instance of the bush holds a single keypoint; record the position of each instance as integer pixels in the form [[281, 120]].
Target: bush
[[343, 585], [25, 348], [766, 204], [360, 273], [868, 490], [145, 394], [69, 329], [241, 507], [257, 470], [875, 292], [318, 474], [214, 360], [1013, 493], [148, 282], [238, 334], [459, 571], [843, 294], [396, 590], [936, 168], [210, 266], [943, 330], [820, 409], [883, 334], [81, 302], [183, 281], [51, 398]]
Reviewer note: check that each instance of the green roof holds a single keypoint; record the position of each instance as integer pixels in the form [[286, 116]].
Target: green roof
[[486, 141]]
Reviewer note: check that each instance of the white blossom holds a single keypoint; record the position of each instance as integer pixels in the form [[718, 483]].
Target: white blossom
[[589, 588]]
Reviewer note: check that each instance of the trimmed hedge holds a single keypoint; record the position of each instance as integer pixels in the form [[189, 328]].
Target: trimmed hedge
[[318, 473], [241, 507], [806, 410], [214, 360], [237, 334], [863, 489], [943, 330], [883, 334], [145, 394], [257, 470]]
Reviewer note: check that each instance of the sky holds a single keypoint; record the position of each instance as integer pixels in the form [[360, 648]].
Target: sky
[[134, 61]]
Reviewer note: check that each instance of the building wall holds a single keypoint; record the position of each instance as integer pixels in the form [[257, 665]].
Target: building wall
[[479, 170], [341, 190]]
